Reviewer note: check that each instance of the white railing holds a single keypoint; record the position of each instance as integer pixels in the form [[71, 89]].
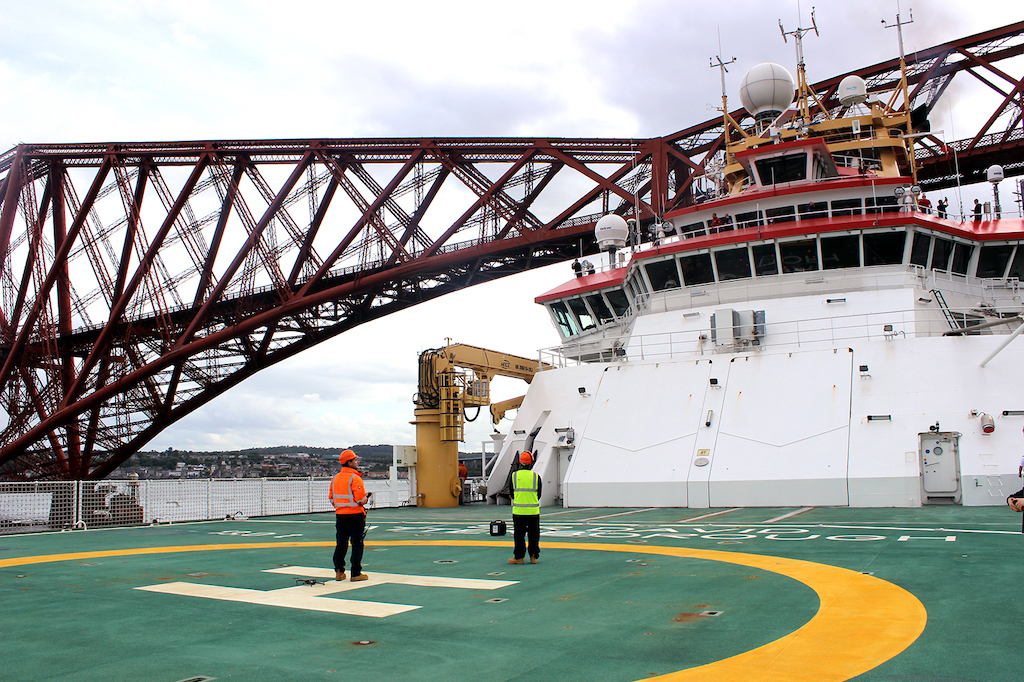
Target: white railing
[[803, 333], [61, 505]]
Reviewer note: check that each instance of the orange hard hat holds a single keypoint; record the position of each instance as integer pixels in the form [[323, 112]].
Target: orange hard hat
[[526, 458], [346, 456]]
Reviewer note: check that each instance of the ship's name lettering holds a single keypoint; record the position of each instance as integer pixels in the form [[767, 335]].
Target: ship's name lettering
[[702, 533]]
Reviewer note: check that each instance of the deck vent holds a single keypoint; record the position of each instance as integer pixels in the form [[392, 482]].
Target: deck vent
[[879, 417], [835, 300], [496, 600], [199, 678], [446, 561], [710, 613], [1013, 413]]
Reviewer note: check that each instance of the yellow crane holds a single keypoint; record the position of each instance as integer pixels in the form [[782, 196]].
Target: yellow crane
[[451, 379]]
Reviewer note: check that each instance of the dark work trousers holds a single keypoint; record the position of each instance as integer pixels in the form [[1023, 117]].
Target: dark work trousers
[[349, 527], [526, 526]]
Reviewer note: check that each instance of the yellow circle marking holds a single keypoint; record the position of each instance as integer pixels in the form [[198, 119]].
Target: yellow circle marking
[[861, 622]]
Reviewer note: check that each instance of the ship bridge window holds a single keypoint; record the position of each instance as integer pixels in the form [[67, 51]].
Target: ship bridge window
[[565, 321], [765, 260], [815, 209], [799, 256], [692, 230], [749, 219], [884, 248], [663, 274], [790, 168], [732, 264], [882, 205], [582, 314], [782, 214], [697, 269], [619, 302], [992, 260], [1017, 266], [941, 252], [600, 308], [842, 207], [840, 252], [961, 258], [919, 251]]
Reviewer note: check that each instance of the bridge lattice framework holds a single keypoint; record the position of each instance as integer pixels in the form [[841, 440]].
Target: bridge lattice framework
[[141, 280]]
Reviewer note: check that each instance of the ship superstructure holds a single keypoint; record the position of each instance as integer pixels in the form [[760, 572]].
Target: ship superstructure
[[810, 333]]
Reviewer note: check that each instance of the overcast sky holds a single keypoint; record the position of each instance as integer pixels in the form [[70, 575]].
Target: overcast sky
[[74, 71]]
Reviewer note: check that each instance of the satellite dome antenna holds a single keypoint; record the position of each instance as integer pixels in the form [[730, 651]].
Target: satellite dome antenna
[[801, 70]]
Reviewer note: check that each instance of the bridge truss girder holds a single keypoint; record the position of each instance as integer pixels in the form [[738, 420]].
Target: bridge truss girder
[[140, 281]]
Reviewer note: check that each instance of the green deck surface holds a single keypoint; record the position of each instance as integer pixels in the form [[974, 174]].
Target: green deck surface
[[613, 615]]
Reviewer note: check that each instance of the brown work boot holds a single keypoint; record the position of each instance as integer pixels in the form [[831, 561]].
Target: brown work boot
[[515, 561], [533, 560], [361, 576], [339, 575]]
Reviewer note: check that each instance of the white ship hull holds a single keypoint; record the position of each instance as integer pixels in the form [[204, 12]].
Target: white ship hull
[[832, 410]]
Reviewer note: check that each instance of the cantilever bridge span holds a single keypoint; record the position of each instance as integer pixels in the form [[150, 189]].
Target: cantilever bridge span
[[141, 280]]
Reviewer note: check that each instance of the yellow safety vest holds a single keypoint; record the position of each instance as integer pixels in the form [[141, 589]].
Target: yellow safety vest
[[525, 500]]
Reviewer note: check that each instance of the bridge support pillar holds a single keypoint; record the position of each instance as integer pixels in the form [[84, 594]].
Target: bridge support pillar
[[437, 462]]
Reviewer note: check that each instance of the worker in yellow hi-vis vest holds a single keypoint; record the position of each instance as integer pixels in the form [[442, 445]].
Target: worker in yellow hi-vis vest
[[525, 511]]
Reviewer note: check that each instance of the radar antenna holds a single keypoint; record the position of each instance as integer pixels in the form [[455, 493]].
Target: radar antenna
[[803, 91]]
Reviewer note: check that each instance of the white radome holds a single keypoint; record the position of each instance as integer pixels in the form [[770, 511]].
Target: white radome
[[767, 88], [611, 232], [852, 90]]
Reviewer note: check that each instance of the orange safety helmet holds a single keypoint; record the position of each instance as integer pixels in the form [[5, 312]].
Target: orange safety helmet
[[346, 456], [526, 458]]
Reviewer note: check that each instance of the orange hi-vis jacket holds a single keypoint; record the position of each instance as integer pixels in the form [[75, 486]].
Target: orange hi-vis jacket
[[347, 492]]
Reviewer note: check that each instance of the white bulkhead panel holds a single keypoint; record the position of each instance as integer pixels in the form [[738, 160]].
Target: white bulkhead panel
[[639, 440], [791, 452]]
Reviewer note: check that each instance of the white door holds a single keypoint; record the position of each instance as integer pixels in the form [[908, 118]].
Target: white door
[[940, 468]]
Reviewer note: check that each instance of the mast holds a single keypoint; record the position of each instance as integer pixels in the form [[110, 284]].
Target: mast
[[903, 85], [725, 107], [801, 69]]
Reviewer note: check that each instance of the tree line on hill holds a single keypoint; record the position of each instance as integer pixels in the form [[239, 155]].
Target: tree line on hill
[[371, 458]]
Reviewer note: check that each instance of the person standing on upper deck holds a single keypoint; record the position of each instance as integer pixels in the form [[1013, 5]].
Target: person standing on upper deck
[[977, 210]]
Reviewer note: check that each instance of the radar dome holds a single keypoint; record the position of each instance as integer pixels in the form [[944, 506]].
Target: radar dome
[[767, 90], [852, 90], [611, 232], [995, 173]]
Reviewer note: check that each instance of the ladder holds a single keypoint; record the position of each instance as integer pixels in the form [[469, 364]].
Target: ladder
[[950, 318]]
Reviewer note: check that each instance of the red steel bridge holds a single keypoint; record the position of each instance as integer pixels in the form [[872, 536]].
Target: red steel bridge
[[141, 280]]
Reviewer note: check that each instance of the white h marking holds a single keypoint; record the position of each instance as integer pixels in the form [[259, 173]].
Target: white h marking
[[314, 597]]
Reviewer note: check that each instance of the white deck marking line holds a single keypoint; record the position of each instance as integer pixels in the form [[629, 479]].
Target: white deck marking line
[[315, 597], [393, 578], [786, 516], [569, 511], [301, 597], [708, 516], [608, 516]]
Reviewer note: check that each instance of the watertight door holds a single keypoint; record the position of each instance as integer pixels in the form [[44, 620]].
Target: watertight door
[[940, 468]]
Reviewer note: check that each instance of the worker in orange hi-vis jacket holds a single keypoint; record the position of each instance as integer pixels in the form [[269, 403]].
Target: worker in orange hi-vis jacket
[[348, 495]]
